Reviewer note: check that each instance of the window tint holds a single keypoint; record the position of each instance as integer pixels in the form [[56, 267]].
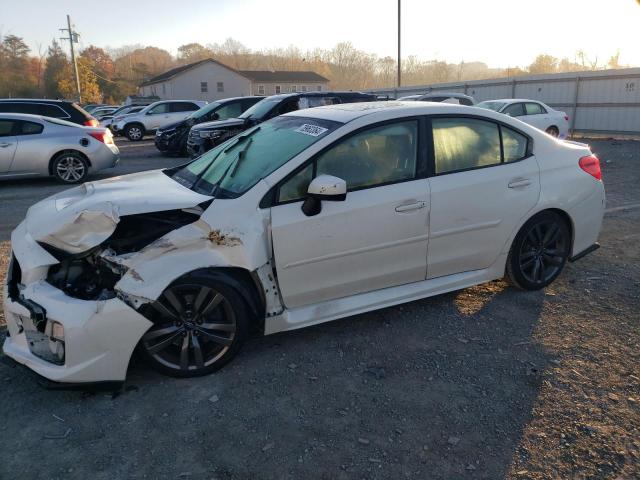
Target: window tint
[[514, 110], [53, 111], [462, 143], [31, 108], [534, 109], [6, 128], [514, 145], [183, 107], [377, 156], [287, 106], [296, 187], [231, 110], [161, 108], [310, 102], [29, 128]]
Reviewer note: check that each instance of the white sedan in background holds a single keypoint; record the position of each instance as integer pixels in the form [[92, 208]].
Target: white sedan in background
[[533, 112], [32, 145], [311, 216]]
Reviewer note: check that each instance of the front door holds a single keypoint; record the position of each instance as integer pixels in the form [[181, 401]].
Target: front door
[[478, 194], [8, 144], [374, 239]]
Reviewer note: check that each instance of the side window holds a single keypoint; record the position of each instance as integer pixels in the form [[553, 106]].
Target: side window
[[463, 143], [514, 145], [376, 156], [230, 110], [287, 106], [161, 108], [296, 187], [534, 109], [6, 128], [183, 107], [29, 128], [514, 110], [53, 111], [320, 101], [465, 101]]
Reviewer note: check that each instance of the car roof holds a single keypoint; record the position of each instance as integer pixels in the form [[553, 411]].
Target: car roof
[[347, 112], [32, 100], [513, 100], [22, 116], [235, 99]]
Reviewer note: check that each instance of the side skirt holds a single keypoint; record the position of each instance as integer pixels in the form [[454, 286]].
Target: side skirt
[[364, 302]]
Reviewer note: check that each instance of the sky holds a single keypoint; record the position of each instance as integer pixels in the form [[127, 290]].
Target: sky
[[501, 33]]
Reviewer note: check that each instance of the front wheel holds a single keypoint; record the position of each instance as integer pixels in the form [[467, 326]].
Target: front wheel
[[200, 323], [539, 251]]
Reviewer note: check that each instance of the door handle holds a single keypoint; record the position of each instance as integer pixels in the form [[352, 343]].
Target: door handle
[[4, 145], [521, 182], [411, 206]]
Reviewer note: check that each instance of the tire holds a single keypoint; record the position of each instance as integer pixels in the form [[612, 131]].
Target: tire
[[200, 324], [539, 252], [70, 167], [134, 132], [553, 131]]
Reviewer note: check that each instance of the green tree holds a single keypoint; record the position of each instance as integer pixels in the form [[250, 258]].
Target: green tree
[[57, 66]]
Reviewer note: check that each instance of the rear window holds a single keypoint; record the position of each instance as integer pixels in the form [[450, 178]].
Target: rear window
[[53, 111], [77, 108], [30, 108], [29, 128]]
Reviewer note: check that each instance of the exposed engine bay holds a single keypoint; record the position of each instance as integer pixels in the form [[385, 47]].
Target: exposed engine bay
[[92, 275]]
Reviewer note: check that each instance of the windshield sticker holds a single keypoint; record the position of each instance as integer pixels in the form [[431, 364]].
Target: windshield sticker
[[313, 130]]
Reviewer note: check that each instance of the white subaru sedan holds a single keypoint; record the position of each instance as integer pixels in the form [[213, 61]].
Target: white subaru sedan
[[533, 112], [309, 217]]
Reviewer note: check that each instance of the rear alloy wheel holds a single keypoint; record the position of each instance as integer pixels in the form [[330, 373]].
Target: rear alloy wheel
[[134, 132], [70, 167], [539, 252], [553, 131], [199, 325]]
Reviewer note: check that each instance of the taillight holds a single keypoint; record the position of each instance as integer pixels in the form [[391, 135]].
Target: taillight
[[92, 122], [591, 165], [104, 137]]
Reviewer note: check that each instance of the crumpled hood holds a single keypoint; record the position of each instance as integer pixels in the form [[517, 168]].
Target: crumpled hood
[[229, 122], [82, 217]]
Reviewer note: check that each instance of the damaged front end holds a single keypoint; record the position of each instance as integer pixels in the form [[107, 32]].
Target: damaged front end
[[93, 275]]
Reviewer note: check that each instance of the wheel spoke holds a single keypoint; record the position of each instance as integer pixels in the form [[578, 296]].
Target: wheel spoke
[[528, 263], [164, 311], [184, 352], [200, 298], [173, 301], [197, 350], [553, 260], [163, 344], [536, 270], [151, 334], [551, 235], [222, 327], [216, 338], [215, 301]]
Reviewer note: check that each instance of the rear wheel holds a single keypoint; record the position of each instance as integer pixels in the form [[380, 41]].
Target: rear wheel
[[134, 132], [553, 131], [539, 251], [200, 323], [70, 167]]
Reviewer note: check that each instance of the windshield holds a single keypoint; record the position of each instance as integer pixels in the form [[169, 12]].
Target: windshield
[[204, 110], [495, 106], [233, 167], [262, 108]]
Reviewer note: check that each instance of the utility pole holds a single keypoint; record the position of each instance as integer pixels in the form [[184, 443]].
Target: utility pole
[[73, 38], [399, 57]]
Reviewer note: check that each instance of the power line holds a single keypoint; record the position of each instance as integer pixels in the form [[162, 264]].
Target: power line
[[73, 38]]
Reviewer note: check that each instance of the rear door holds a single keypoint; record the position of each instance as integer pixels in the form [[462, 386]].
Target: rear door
[[180, 110], [29, 156], [8, 144], [536, 115], [480, 190]]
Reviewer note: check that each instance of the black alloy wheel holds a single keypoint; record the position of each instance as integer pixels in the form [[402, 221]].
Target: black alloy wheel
[[199, 325], [539, 252]]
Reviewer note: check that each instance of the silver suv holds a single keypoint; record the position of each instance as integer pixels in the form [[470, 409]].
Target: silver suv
[[157, 115]]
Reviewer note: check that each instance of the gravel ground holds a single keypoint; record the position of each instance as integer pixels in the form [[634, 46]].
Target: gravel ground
[[487, 382]]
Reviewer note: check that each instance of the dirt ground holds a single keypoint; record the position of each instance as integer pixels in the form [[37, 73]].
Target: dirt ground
[[484, 383]]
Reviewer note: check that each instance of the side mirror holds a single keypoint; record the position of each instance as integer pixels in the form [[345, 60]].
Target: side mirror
[[323, 187], [215, 116]]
